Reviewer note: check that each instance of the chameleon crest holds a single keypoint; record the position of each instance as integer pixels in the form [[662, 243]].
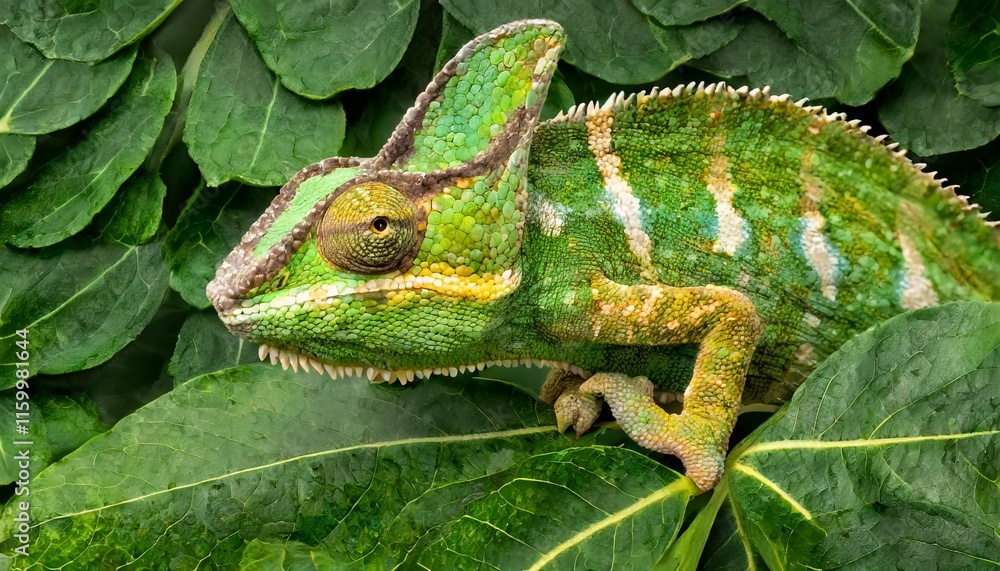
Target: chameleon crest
[[700, 244]]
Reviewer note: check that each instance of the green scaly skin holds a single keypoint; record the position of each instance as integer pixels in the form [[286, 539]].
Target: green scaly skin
[[692, 240]]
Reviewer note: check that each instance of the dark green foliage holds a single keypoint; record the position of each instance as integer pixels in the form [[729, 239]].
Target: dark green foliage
[[885, 458], [81, 303], [69, 190], [926, 107], [213, 221], [41, 95], [243, 125], [319, 48], [974, 50], [84, 31]]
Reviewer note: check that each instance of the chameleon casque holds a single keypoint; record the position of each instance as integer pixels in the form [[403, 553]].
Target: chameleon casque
[[703, 240]]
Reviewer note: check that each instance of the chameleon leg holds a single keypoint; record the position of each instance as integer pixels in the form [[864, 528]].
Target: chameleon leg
[[724, 323], [573, 408]]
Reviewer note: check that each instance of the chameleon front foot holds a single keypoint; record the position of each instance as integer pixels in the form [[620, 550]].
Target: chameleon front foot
[[699, 441], [573, 408]]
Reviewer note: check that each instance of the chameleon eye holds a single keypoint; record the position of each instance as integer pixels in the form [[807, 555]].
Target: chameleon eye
[[368, 229], [380, 225]]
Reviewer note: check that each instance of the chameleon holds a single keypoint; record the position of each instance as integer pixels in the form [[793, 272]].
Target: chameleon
[[702, 244]]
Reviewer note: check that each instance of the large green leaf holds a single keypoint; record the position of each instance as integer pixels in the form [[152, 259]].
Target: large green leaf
[[842, 49], [84, 31], [607, 38], [79, 304], [442, 475], [762, 55], [728, 547], [684, 43], [974, 49], [41, 95], [322, 47], [923, 110], [133, 215], [210, 226], [205, 346], [15, 152], [136, 374], [683, 12], [865, 42], [386, 103], [66, 193], [454, 35], [243, 125], [889, 453], [56, 426], [977, 172]]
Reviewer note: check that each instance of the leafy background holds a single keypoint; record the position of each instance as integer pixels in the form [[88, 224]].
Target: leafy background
[[138, 144]]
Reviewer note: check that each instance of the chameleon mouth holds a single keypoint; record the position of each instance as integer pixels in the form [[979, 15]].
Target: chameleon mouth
[[296, 361]]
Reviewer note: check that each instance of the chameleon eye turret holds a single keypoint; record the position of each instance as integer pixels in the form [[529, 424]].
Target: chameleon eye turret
[[369, 229]]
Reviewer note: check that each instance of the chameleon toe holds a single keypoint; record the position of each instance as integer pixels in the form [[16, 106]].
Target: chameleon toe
[[578, 410], [573, 408], [699, 441]]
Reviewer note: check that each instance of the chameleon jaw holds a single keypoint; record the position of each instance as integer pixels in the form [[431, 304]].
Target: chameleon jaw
[[287, 358]]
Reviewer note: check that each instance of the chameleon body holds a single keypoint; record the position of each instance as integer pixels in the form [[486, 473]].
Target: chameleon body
[[703, 242]]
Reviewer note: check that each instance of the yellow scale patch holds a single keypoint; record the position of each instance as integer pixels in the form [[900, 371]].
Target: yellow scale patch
[[626, 205], [818, 251], [917, 291], [731, 232]]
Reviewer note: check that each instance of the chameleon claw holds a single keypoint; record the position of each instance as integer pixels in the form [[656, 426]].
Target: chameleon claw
[[572, 407], [578, 410], [562, 423]]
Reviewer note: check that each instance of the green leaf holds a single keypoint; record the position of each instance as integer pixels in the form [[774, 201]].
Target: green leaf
[[67, 192], [208, 229], [974, 49], [887, 453], [57, 425], [15, 152], [80, 305], [559, 97], [865, 44], [684, 43], [590, 508], [728, 547], [682, 13], [42, 95], [243, 125], [84, 31], [684, 554], [762, 55], [321, 47], [231, 465], [34, 444], [607, 38], [133, 215], [844, 49], [136, 374], [264, 556], [977, 172], [453, 36], [923, 110], [387, 102], [205, 346]]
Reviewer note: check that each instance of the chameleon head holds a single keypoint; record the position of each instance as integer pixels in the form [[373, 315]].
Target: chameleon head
[[403, 262]]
